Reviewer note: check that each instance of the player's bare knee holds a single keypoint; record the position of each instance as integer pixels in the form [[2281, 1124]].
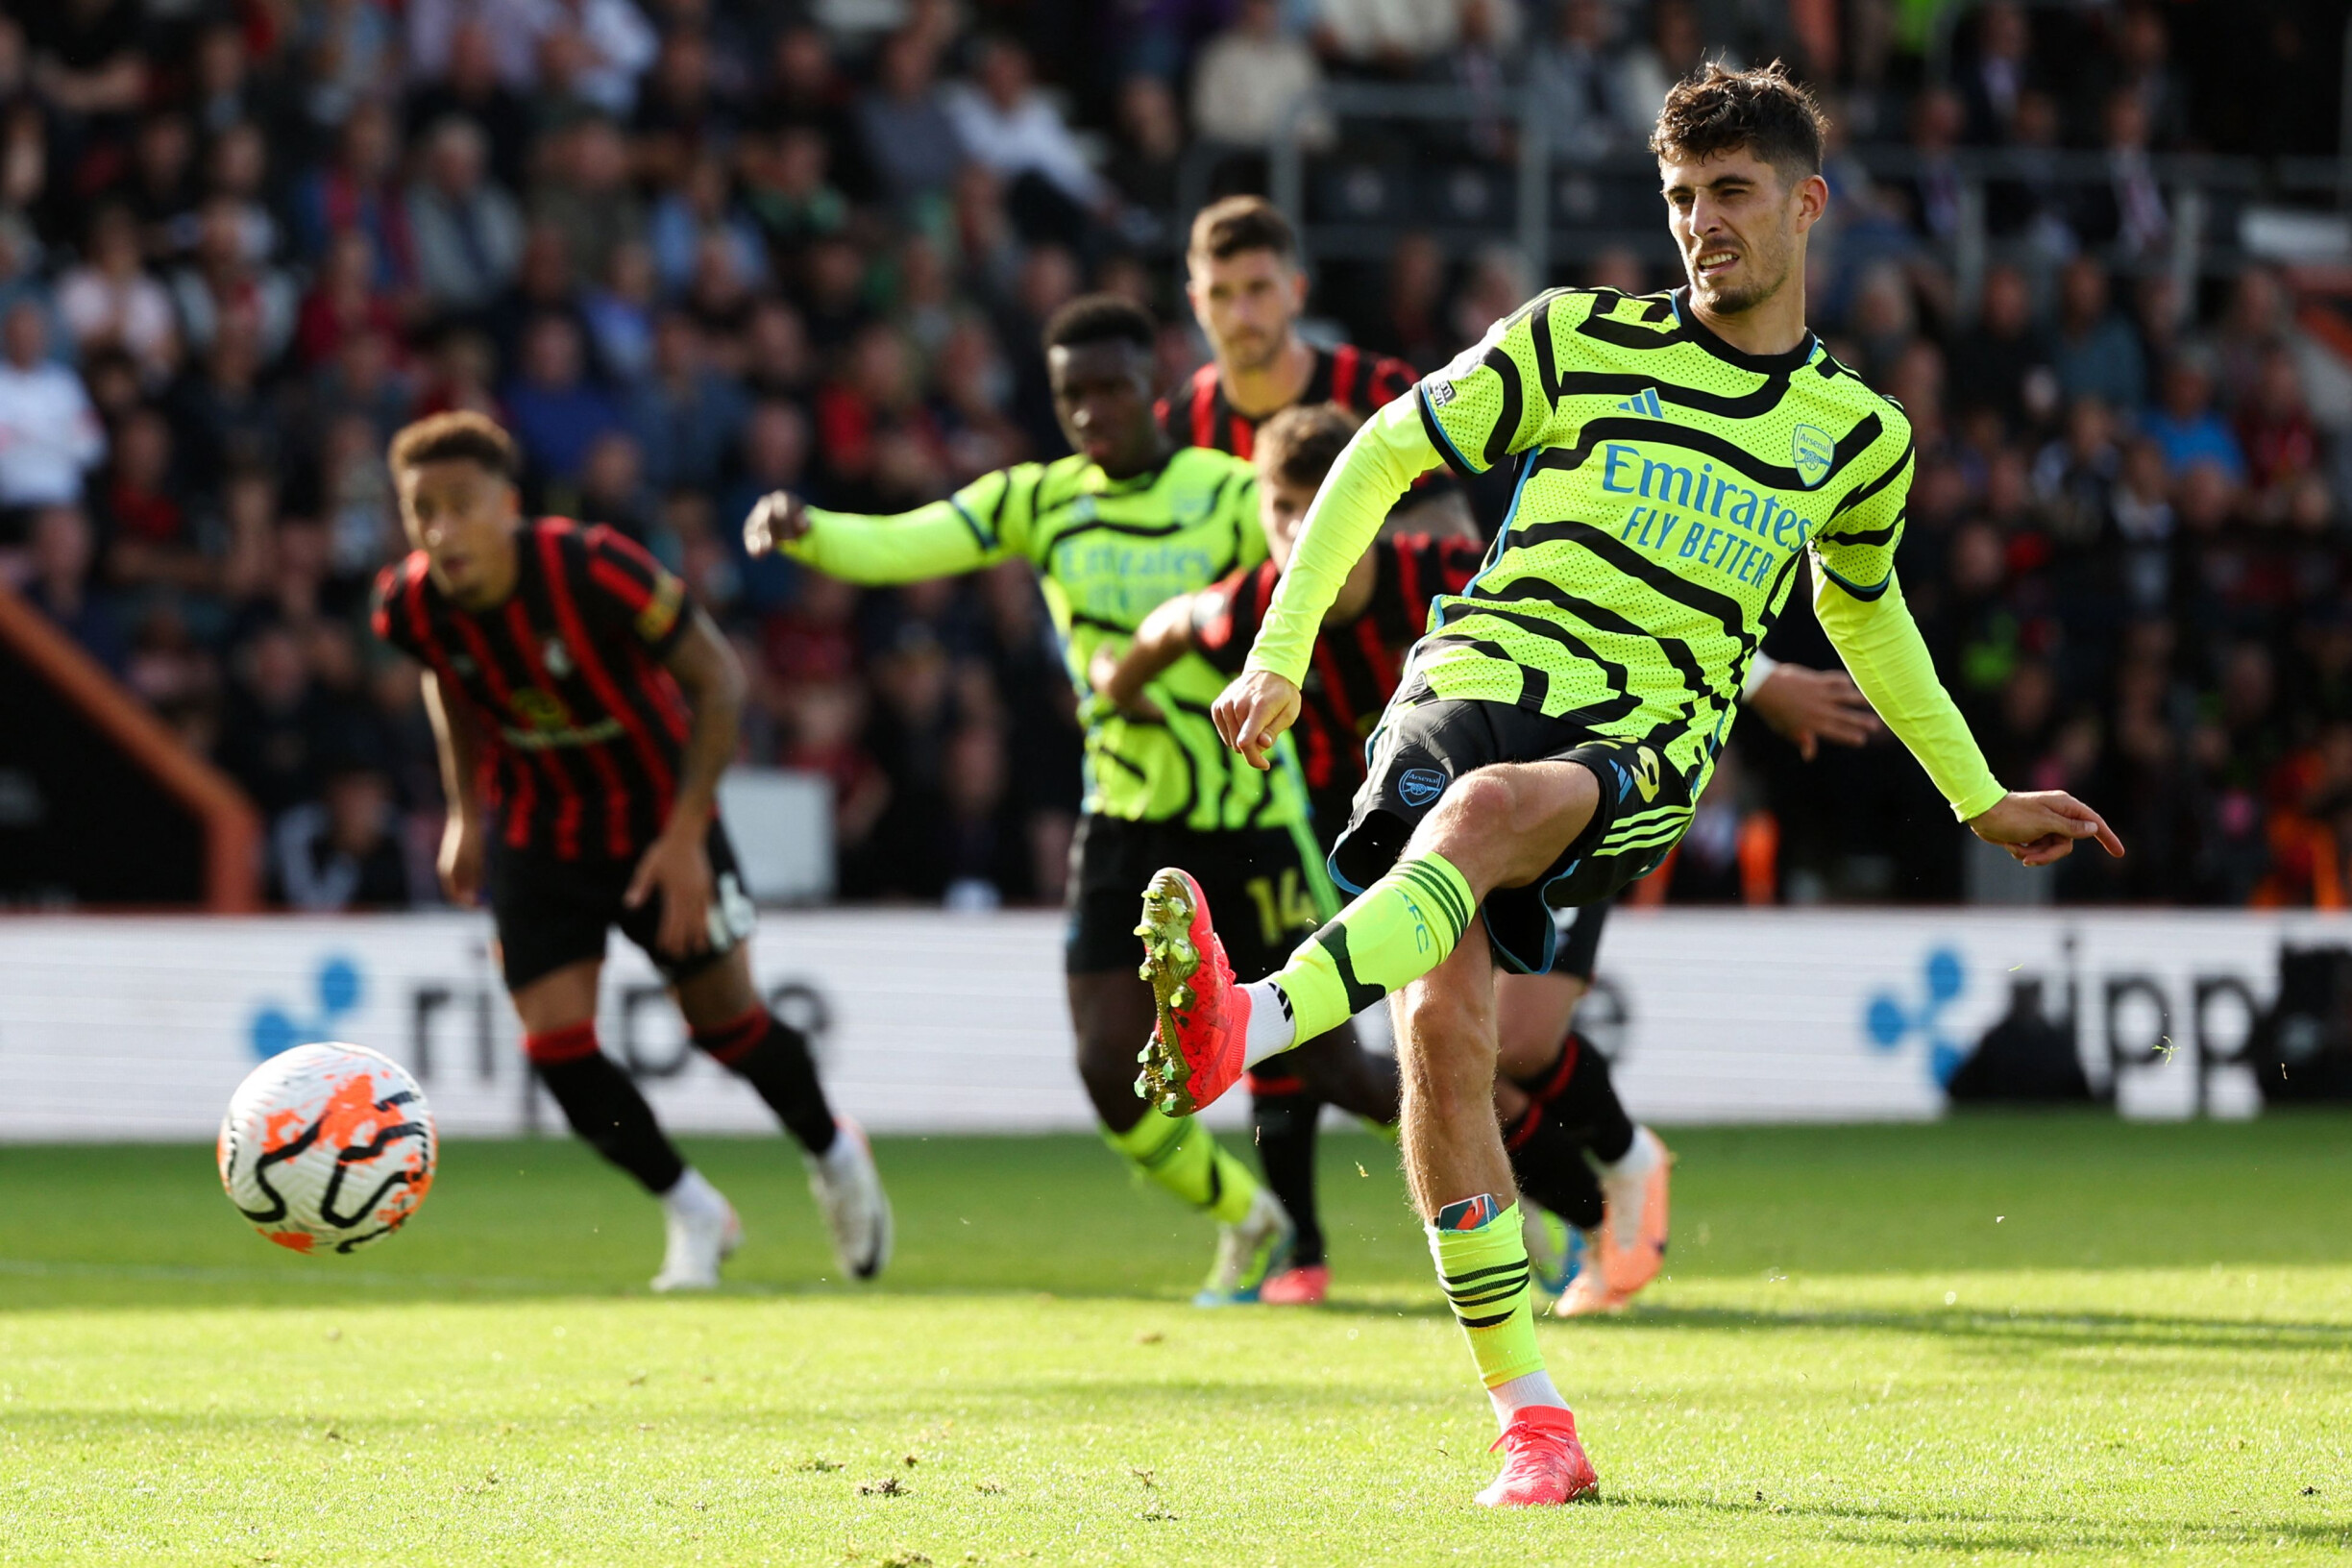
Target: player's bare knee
[[1468, 822]]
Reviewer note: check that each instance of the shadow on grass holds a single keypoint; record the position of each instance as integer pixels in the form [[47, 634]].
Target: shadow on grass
[[1958, 1530]]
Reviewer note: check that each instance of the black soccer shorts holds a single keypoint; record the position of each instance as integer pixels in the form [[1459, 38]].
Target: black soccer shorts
[[1577, 953], [552, 912], [1258, 882], [1419, 751]]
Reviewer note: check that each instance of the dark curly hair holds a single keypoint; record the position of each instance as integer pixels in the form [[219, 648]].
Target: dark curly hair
[[1717, 109]]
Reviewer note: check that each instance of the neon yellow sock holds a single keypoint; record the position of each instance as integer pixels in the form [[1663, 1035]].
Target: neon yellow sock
[[1396, 931], [1484, 1272], [1181, 1155]]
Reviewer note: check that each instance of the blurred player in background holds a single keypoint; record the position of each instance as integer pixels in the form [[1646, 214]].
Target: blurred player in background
[[1553, 1091], [1129, 520], [1247, 290], [584, 711], [1551, 734]]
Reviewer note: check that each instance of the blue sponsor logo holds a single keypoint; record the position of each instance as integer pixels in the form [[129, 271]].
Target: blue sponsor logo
[[1889, 1020], [339, 990], [1419, 786]]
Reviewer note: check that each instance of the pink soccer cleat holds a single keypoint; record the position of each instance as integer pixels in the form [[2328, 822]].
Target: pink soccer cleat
[[1195, 1050], [1587, 1295], [1632, 1232], [1543, 1463], [1305, 1285]]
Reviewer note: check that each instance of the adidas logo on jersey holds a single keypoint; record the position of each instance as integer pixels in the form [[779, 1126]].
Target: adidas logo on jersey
[[1645, 402]]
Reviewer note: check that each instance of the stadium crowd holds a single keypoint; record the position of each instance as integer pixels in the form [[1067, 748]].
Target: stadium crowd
[[690, 251]]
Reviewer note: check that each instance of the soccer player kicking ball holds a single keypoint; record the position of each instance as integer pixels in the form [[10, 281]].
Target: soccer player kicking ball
[[1128, 519], [1554, 728], [585, 712], [1552, 1089]]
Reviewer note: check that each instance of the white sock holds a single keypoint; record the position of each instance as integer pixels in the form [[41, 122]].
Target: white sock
[[1512, 1397], [1271, 1031], [1640, 1158], [693, 1197]]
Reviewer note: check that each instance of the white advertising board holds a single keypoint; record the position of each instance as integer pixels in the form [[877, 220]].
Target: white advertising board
[[135, 1027]]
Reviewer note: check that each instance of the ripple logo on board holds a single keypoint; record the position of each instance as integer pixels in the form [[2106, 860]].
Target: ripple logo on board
[[337, 987], [1889, 1019]]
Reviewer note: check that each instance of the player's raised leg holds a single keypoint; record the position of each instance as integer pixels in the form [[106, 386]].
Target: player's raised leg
[[606, 1109], [730, 1023], [1461, 1182], [1496, 827]]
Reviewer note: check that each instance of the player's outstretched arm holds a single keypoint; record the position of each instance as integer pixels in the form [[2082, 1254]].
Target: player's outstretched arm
[[2044, 826], [944, 539], [677, 865], [455, 739]]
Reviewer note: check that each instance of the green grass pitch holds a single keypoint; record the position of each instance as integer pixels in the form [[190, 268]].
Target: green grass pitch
[[1992, 1340]]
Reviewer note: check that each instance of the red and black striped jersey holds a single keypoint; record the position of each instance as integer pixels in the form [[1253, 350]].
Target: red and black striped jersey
[[1200, 416], [1355, 666], [584, 724]]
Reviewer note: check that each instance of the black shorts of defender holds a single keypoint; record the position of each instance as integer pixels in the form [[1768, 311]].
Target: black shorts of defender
[[1578, 952], [1419, 752], [552, 912], [1256, 880]]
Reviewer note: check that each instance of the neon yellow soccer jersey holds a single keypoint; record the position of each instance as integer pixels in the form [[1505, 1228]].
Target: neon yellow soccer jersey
[[1671, 483], [1107, 551]]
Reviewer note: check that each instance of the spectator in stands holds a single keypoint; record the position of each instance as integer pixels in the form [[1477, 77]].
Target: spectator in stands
[[786, 193], [585, 195], [685, 413], [49, 434], [60, 557], [151, 539], [2187, 429], [467, 231], [110, 300], [1397, 37], [1995, 83], [1247, 79], [1579, 73], [468, 88], [2129, 211], [223, 279], [2094, 354], [700, 207], [1005, 125], [2275, 432], [551, 406], [343, 852], [358, 189], [348, 48], [278, 731], [2002, 364], [610, 38], [903, 126]]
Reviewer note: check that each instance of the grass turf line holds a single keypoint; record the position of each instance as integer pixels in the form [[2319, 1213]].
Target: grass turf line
[[1987, 1340]]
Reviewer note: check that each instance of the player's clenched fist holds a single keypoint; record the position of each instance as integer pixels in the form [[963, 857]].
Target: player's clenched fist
[[1252, 713], [779, 518]]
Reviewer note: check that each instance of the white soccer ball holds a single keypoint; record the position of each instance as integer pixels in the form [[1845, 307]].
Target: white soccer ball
[[327, 1147]]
